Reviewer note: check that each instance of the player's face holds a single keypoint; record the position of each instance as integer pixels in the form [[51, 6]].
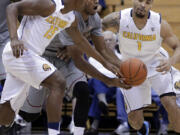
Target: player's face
[[110, 41], [91, 6], [142, 7]]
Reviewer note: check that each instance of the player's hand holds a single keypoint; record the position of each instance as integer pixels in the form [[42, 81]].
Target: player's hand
[[164, 66], [17, 47], [63, 54], [113, 68], [118, 82]]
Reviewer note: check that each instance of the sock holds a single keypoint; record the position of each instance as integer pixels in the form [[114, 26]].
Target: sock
[[53, 128], [102, 97], [71, 126], [79, 130], [143, 129], [95, 124]]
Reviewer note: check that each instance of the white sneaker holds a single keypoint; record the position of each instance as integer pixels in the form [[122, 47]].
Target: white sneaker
[[19, 120], [71, 127], [123, 129]]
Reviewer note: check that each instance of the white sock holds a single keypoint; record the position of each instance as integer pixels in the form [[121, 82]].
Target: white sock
[[53, 131], [71, 127], [78, 130], [54, 128]]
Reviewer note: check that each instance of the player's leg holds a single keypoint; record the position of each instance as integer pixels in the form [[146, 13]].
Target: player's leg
[[168, 98], [81, 93], [136, 119], [35, 70], [169, 102], [136, 98], [56, 84], [77, 87]]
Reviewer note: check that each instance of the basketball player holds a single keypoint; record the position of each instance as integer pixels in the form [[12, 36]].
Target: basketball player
[[89, 24], [42, 20], [141, 32]]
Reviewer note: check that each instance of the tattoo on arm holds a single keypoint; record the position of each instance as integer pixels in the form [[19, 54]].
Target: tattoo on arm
[[111, 20]]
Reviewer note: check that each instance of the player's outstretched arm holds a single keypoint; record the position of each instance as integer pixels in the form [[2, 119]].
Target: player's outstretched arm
[[25, 7], [107, 53], [85, 47], [87, 68], [173, 42], [111, 20]]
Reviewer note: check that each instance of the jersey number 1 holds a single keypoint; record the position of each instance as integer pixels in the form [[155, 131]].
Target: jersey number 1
[[139, 45], [50, 32]]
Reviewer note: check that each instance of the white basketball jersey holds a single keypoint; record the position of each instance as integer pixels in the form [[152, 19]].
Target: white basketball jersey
[[37, 32], [143, 44]]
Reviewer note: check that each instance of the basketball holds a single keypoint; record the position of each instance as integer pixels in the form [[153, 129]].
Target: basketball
[[134, 71]]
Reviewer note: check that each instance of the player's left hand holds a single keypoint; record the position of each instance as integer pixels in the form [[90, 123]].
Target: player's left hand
[[164, 66]]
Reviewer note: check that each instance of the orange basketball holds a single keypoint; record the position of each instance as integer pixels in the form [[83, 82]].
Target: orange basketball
[[134, 71]]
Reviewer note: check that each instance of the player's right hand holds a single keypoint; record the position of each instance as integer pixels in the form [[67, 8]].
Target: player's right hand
[[118, 82], [112, 68], [17, 47], [63, 54]]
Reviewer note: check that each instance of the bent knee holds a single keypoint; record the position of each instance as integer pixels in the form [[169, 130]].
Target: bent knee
[[55, 81], [59, 82]]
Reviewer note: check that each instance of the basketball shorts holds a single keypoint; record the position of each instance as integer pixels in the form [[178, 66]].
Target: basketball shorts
[[28, 70], [35, 99], [140, 96]]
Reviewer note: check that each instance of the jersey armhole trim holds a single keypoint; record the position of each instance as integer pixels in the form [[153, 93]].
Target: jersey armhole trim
[[120, 15], [160, 19]]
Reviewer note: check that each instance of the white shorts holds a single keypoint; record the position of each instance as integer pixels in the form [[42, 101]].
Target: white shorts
[[35, 99], [140, 96], [28, 70]]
